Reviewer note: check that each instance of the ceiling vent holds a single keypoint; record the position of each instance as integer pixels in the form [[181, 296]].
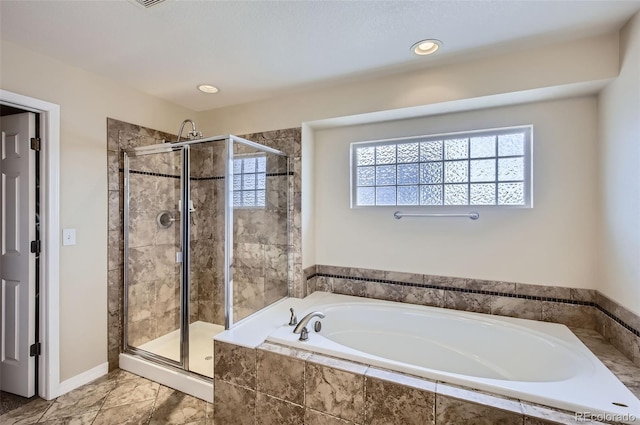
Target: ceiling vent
[[148, 3]]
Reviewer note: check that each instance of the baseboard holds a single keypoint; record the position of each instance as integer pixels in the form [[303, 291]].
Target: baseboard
[[81, 379]]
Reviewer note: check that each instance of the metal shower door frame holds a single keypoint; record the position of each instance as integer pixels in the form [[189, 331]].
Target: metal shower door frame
[[185, 225], [183, 364]]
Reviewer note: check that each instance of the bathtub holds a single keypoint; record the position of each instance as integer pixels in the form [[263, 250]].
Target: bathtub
[[532, 361]]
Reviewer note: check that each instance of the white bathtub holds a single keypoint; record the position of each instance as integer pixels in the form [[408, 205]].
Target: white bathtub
[[533, 361]]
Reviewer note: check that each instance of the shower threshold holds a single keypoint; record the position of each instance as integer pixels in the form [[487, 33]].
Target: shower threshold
[[200, 346], [200, 361]]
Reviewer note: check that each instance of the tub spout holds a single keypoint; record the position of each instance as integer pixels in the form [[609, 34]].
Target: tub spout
[[301, 327]]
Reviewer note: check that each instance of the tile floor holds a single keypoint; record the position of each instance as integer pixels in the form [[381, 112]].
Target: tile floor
[[10, 402], [121, 398]]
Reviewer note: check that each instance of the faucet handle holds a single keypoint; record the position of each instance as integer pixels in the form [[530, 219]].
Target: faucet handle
[[293, 320], [304, 334]]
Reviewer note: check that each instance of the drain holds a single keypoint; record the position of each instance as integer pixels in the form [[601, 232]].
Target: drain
[[211, 357], [619, 404]]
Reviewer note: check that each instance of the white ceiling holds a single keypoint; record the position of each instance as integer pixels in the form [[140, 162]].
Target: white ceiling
[[254, 50]]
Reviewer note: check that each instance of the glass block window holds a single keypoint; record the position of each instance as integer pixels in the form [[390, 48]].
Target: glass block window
[[249, 181], [487, 167]]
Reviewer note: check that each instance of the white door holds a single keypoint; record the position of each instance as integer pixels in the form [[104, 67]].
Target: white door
[[17, 230]]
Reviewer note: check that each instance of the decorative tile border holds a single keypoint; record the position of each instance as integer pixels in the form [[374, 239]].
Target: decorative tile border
[[456, 289], [149, 173], [619, 321], [172, 176]]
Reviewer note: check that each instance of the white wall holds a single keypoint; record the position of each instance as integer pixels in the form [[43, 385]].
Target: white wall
[[86, 100], [554, 243], [619, 122]]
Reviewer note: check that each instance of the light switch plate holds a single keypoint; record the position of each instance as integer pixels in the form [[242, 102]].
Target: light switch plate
[[68, 236]]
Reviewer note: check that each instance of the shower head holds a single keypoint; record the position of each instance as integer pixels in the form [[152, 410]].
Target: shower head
[[193, 134]]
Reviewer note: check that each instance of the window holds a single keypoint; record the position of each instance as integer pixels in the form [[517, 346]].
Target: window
[[488, 167], [249, 181]]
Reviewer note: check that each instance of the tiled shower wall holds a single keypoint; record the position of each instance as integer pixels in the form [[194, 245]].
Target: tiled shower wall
[[260, 241], [288, 141], [120, 137], [154, 275], [207, 255], [259, 245]]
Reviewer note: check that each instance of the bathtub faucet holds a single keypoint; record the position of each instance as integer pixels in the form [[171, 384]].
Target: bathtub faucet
[[301, 328]]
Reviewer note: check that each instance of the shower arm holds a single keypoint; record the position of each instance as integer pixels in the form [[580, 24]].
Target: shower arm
[[193, 134]]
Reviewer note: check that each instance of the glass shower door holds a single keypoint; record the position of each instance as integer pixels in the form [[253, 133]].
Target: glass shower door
[[153, 256], [257, 222]]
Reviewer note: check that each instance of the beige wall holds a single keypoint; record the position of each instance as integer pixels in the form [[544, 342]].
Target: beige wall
[[545, 71], [619, 122], [553, 243], [549, 66], [86, 100]]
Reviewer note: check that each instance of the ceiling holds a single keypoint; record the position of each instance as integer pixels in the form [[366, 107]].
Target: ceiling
[[254, 50]]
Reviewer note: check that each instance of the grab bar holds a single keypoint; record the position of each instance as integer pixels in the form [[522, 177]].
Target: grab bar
[[472, 215]]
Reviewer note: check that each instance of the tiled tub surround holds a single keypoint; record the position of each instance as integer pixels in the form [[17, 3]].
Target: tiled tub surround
[[207, 274], [574, 307], [272, 384], [241, 389], [534, 361]]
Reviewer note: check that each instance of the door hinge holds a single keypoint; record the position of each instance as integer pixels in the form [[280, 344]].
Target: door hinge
[[35, 247], [35, 143], [34, 350]]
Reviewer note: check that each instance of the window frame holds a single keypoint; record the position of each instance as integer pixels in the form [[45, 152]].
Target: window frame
[[527, 158]]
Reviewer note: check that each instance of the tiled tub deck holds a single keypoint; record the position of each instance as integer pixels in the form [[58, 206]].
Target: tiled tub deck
[[272, 384]]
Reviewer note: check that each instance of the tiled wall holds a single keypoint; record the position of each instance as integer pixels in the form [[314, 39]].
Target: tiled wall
[[619, 326], [259, 256], [574, 307], [154, 275], [289, 141], [120, 137], [279, 385], [207, 261], [260, 241]]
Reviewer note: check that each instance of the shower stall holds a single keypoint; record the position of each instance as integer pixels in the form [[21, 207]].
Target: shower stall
[[206, 244]]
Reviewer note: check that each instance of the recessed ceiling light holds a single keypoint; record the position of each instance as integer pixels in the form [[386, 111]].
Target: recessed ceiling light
[[206, 88], [426, 47]]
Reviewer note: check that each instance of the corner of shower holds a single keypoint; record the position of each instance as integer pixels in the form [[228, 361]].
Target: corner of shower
[[206, 244]]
